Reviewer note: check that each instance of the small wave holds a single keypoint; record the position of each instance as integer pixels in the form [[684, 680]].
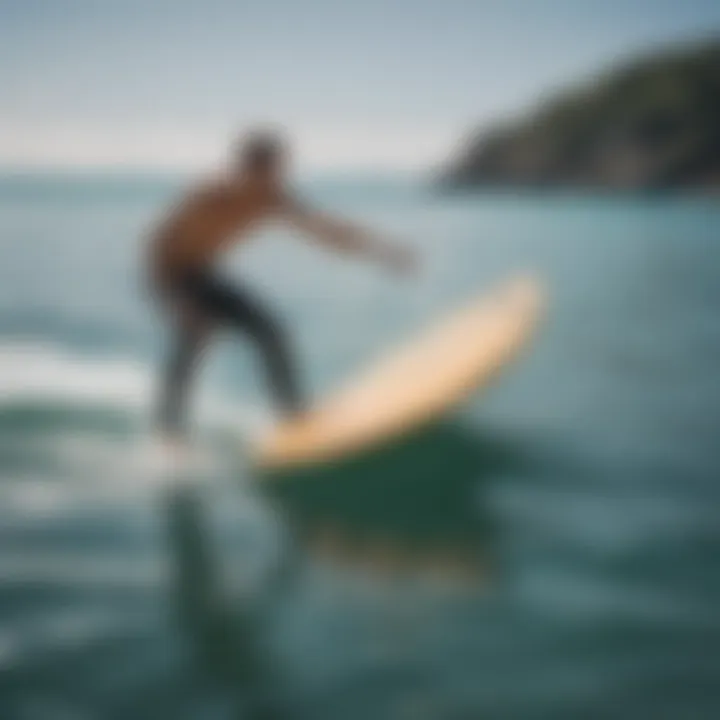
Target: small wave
[[75, 432], [37, 372], [33, 374]]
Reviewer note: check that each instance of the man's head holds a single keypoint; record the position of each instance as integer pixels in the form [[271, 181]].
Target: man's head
[[262, 157]]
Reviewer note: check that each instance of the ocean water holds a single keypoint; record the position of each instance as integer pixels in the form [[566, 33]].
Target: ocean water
[[548, 550]]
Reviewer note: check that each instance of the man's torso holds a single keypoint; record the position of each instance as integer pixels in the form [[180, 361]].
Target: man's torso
[[206, 223]]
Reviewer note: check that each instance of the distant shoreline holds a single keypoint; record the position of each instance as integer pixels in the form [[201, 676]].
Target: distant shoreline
[[652, 125]]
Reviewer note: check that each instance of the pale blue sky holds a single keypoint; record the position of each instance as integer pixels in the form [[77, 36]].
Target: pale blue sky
[[368, 82]]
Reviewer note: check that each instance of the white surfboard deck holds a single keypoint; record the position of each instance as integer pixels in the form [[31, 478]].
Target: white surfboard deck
[[413, 384]]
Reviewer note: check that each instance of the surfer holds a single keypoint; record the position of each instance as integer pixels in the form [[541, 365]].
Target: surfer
[[197, 299]]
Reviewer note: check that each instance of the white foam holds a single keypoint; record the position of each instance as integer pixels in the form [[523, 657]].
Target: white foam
[[41, 372], [33, 373], [97, 463]]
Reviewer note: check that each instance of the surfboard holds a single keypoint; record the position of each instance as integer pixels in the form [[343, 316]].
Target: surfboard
[[420, 380]]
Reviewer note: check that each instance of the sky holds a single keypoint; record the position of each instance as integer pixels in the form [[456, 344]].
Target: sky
[[391, 84]]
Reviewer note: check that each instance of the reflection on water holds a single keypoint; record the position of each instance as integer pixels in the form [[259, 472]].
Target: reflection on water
[[413, 506], [411, 512], [226, 631]]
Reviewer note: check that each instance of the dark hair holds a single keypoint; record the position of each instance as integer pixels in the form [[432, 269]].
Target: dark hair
[[260, 149]]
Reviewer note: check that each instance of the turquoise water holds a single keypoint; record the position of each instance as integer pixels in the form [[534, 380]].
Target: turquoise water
[[586, 480]]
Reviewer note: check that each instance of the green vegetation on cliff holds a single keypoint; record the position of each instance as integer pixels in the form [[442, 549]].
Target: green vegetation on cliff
[[652, 124]]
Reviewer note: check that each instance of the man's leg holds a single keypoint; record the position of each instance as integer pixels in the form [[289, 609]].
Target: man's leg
[[239, 309], [189, 341]]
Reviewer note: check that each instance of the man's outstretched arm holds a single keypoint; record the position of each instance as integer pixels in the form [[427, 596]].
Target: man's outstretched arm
[[346, 237]]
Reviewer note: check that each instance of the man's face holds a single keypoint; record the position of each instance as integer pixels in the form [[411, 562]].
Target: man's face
[[271, 172], [264, 165]]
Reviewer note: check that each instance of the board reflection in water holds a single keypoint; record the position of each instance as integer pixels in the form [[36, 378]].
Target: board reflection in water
[[413, 508], [411, 511]]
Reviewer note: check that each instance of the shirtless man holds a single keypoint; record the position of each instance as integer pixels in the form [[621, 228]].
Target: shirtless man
[[187, 242]]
